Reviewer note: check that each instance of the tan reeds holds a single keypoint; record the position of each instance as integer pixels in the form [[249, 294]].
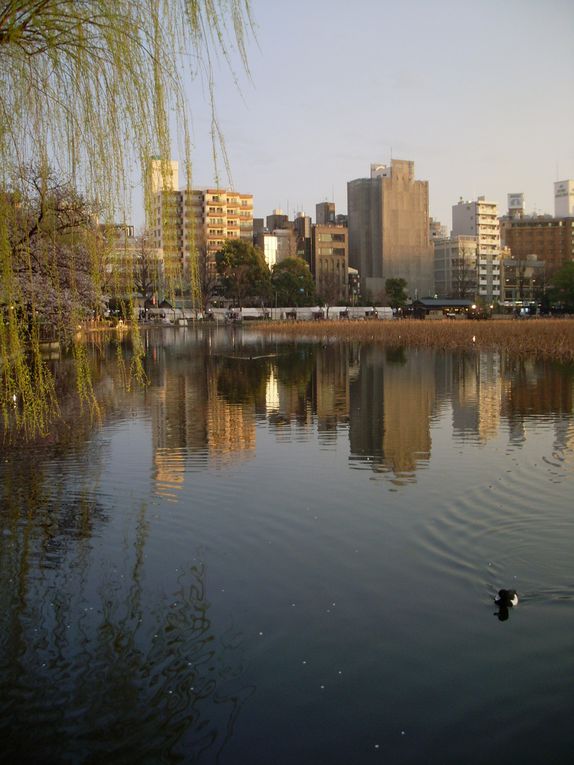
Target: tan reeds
[[547, 338]]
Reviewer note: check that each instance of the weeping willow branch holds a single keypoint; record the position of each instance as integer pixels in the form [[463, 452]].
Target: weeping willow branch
[[87, 87]]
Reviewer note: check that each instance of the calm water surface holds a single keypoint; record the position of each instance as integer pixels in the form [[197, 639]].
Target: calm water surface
[[282, 553]]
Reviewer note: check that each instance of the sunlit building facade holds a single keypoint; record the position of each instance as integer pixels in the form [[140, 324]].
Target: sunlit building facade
[[479, 218], [388, 218], [195, 220]]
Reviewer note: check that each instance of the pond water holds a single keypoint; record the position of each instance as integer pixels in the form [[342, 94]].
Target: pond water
[[287, 553]]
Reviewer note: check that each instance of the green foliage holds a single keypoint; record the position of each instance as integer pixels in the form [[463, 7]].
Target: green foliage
[[395, 290], [93, 88], [563, 286], [97, 82], [293, 283], [243, 271]]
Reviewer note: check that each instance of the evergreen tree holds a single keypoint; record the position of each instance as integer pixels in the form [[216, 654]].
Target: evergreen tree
[[243, 271], [293, 284]]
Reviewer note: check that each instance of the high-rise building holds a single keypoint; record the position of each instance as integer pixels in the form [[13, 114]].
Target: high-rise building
[[480, 219], [389, 229], [564, 199], [194, 220]]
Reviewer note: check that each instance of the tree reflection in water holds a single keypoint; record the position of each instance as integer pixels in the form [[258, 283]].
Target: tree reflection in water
[[242, 380], [115, 673], [95, 663]]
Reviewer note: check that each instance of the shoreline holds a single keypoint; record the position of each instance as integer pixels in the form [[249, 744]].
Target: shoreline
[[548, 338], [545, 338]]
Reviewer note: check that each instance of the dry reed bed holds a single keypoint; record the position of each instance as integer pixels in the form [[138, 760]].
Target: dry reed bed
[[548, 338]]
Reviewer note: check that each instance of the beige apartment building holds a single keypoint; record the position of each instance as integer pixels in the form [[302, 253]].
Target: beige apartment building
[[388, 216], [194, 220]]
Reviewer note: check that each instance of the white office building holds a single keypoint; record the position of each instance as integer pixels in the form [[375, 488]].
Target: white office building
[[480, 219]]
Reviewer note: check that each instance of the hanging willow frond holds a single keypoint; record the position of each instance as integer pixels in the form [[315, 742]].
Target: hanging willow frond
[[87, 88], [89, 83]]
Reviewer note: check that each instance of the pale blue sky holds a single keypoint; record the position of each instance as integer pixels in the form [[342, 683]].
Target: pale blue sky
[[480, 94]]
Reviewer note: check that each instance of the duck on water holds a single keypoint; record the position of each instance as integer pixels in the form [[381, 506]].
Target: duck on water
[[506, 598]]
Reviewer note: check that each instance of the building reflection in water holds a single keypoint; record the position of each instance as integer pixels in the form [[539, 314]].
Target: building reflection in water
[[206, 403], [330, 390], [230, 428], [476, 391], [391, 407]]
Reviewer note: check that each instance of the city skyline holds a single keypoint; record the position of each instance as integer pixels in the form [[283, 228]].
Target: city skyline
[[479, 102]]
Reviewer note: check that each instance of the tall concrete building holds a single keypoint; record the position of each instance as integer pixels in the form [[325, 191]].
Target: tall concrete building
[[480, 219], [194, 219], [389, 229], [564, 199]]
